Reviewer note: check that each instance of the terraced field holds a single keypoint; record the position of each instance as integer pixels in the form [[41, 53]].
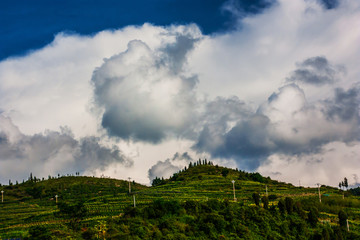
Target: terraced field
[[33, 204]]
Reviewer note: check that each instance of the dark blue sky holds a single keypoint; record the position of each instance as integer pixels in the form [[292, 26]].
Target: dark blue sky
[[26, 25]]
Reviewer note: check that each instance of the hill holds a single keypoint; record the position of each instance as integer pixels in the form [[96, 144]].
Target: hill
[[200, 195]]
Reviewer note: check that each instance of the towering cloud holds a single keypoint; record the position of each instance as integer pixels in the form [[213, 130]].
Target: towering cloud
[[145, 93], [273, 91], [285, 124]]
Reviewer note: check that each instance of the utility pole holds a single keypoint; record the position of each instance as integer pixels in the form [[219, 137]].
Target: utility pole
[[347, 225], [56, 196], [129, 185], [233, 182], [2, 196], [134, 201], [318, 184]]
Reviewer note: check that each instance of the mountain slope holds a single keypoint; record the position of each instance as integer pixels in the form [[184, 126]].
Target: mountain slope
[[86, 202]]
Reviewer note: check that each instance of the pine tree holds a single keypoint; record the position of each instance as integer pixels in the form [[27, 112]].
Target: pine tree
[[346, 183]]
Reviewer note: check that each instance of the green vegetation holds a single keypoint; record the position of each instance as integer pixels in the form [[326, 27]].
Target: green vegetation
[[195, 203]]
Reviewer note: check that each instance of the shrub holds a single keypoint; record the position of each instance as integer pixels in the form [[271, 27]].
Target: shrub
[[272, 197], [39, 233]]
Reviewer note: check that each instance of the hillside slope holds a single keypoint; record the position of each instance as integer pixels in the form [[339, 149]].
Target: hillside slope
[[84, 203]]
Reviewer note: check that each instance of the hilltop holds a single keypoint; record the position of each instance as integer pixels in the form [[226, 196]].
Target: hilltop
[[68, 188], [86, 204]]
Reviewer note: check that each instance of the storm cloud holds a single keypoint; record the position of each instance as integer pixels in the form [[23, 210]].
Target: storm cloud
[[316, 71], [285, 124], [147, 94], [345, 105], [51, 152]]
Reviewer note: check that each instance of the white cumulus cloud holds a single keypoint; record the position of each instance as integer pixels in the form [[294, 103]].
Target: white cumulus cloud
[[278, 92]]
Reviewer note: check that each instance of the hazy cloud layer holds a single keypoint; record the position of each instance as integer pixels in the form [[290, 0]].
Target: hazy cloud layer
[[51, 153], [146, 94], [335, 161]]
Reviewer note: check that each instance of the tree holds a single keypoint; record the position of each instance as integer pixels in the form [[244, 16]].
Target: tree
[[39, 232], [35, 192], [256, 198], [342, 218], [281, 206], [325, 234], [346, 183], [298, 209], [265, 201], [289, 204], [75, 211], [156, 181], [257, 177], [313, 216], [225, 172]]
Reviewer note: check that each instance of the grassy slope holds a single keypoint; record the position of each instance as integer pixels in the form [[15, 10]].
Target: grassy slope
[[108, 197]]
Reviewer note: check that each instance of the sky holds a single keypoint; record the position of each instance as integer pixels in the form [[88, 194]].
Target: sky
[[141, 88]]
